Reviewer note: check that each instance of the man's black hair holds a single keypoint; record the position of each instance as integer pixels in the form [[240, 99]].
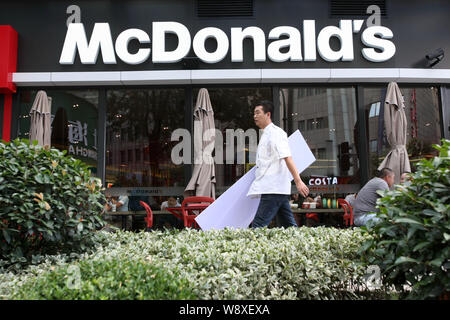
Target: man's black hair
[[385, 172], [267, 106]]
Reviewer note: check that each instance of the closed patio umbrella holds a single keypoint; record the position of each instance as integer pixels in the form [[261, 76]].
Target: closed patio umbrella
[[396, 125], [40, 124], [203, 180]]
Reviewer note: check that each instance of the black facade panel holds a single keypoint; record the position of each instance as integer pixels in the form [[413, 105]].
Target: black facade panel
[[224, 8], [354, 8]]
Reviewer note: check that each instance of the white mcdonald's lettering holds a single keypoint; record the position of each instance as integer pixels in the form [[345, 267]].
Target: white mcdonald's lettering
[[284, 37]]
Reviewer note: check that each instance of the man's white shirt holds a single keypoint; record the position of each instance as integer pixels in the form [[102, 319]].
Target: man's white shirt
[[272, 174]]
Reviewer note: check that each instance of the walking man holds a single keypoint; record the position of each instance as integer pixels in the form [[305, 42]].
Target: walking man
[[273, 164]]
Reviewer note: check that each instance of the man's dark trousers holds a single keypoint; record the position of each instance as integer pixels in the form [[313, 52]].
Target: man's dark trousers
[[271, 205]]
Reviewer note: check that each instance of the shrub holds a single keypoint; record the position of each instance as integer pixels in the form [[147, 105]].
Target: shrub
[[49, 203], [108, 279], [411, 242], [293, 263]]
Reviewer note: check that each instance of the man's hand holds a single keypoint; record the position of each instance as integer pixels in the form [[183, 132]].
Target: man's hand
[[302, 188]]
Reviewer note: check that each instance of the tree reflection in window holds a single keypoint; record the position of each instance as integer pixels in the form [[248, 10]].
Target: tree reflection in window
[[144, 119]]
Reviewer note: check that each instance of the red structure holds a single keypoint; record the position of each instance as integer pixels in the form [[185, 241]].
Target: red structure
[[190, 208], [8, 65], [149, 218], [348, 212]]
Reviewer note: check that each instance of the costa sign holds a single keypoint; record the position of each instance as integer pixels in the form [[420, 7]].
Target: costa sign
[[322, 181], [287, 43]]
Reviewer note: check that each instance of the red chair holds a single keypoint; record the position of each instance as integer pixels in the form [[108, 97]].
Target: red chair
[[348, 211], [191, 207], [149, 217]]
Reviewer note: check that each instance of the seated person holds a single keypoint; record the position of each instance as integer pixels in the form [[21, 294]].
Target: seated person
[[109, 204], [170, 221], [365, 203], [117, 204], [351, 198], [170, 203], [122, 203], [296, 201]]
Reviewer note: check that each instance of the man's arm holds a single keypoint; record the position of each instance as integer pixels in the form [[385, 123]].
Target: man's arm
[[119, 204], [301, 187], [121, 201]]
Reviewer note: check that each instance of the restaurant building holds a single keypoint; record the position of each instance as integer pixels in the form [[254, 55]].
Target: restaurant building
[[124, 75]]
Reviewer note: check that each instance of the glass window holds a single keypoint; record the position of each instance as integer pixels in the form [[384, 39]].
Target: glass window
[[144, 119], [74, 120], [310, 124], [233, 110], [330, 115], [322, 123], [301, 125], [109, 157], [138, 154], [321, 153], [130, 155], [423, 118], [373, 145], [374, 110]]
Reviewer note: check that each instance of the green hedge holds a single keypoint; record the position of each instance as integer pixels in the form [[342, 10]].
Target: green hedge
[[411, 243], [49, 203], [109, 279], [293, 263]]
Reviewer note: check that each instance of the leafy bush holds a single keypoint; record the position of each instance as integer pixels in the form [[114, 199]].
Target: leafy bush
[[293, 263], [109, 279], [411, 243], [49, 203]]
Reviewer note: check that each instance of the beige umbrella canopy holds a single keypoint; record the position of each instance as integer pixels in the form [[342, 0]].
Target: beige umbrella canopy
[[40, 124], [203, 180], [396, 126]]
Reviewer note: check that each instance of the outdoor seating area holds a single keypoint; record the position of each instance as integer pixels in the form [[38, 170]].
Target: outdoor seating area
[[191, 207], [186, 213]]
